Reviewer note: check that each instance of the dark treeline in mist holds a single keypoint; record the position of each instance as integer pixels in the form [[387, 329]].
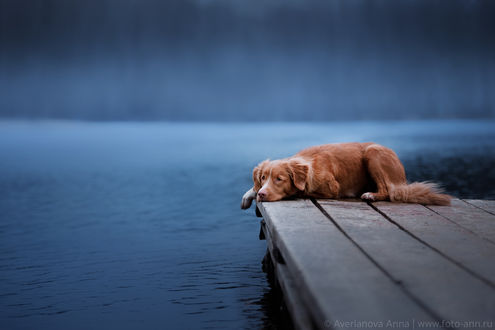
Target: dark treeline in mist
[[246, 60]]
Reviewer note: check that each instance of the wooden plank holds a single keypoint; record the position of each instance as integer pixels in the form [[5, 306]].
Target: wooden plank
[[301, 316], [446, 289], [487, 205], [335, 278], [460, 245], [469, 217]]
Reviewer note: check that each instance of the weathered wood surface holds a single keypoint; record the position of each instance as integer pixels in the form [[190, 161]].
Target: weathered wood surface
[[331, 273], [488, 206], [449, 239], [469, 217], [295, 304], [408, 261], [340, 263]]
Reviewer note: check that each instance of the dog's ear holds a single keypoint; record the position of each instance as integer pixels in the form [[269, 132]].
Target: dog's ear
[[298, 171], [257, 171]]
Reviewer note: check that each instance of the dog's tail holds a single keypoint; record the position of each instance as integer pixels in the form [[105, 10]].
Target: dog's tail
[[425, 193]]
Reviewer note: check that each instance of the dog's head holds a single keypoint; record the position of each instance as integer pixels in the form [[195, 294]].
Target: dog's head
[[277, 179]]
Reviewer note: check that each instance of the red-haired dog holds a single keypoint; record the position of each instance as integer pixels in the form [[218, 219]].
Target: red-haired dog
[[369, 170]]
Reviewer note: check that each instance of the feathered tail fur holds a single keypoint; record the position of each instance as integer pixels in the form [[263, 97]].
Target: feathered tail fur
[[425, 193]]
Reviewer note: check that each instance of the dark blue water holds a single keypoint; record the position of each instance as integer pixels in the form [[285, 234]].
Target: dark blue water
[[129, 225]]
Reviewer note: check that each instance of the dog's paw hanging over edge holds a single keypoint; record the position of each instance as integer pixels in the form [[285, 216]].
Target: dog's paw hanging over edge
[[247, 199]]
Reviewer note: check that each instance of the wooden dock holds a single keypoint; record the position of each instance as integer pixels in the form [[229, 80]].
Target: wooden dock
[[353, 265]]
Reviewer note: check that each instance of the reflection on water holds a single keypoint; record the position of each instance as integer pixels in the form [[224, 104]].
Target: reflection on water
[[138, 224]]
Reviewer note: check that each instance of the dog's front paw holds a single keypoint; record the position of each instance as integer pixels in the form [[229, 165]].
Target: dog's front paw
[[247, 199], [368, 197], [246, 203]]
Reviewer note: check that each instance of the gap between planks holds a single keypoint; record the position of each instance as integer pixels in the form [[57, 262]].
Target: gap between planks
[[398, 282], [387, 269], [405, 253], [472, 218], [356, 289], [463, 247]]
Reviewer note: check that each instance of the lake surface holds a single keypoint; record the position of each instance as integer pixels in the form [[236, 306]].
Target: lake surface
[[138, 225]]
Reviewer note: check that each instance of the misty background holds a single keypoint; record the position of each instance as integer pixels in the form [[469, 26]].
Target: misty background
[[233, 60]]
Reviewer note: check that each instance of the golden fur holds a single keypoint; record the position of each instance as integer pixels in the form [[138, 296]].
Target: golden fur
[[369, 170]]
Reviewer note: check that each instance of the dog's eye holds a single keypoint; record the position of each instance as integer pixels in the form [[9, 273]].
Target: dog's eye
[[279, 178], [263, 177]]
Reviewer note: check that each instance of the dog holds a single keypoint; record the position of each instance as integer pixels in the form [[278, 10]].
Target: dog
[[343, 170]]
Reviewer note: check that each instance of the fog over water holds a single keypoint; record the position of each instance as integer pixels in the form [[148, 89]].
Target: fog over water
[[246, 60]]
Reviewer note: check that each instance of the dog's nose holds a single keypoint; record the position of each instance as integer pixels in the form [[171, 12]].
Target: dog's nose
[[261, 195]]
